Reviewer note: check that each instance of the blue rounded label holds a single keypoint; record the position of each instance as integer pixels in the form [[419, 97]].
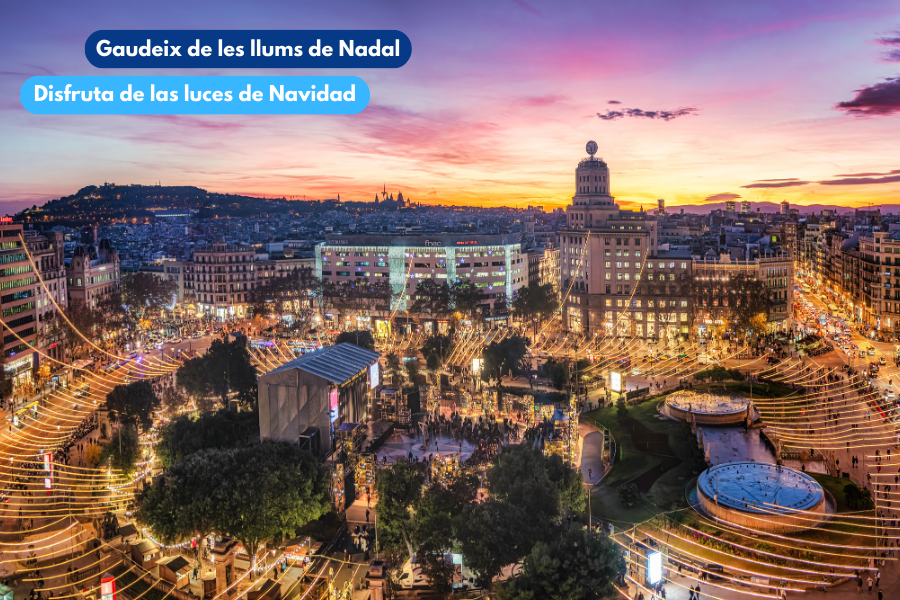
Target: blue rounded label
[[285, 49]]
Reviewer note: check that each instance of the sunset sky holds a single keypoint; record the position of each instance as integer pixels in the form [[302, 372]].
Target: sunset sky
[[687, 100]]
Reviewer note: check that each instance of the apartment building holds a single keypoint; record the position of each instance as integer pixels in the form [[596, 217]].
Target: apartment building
[[26, 309], [223, 277], [494, 262], [619, 283], [93, 274], [776, 270], [48, 254]]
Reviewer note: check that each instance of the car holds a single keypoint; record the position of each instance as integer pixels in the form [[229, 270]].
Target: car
[[862, 354], [882, 360], [871, 350], [771, 360], [198, 335]]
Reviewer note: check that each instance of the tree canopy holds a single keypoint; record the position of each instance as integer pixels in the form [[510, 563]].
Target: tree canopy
[[291, 293], [252, 493], [142, 292], [362, 338], [535, 303], [399, 489], [576, 564], [219, 430], [224, 368], [430, 298], [134, 403]]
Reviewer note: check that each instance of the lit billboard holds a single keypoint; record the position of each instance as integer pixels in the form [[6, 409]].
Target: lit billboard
[[616, 381], [374, 376]]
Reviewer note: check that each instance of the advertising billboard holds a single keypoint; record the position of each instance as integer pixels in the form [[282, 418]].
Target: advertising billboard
[[654, 567], [616, 381], [334, 405], [374, 376]]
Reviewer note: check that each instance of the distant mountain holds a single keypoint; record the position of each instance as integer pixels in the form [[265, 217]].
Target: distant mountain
[[772, 207], [93, 204]]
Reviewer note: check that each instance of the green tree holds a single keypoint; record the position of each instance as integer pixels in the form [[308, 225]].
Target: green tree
[[522, 475], [741, 299], [224, 368], [123, 450], [399, 490], [253, 493], [145, 292], [535, 304], [134, 403], [219, 430], [490, 535], [503, 357], [292, 293], [578, 564], [430, 298], [436, 349], [413, 368], [466, 298], [557, 373], [392, 362], [629, 495], [361, 338]]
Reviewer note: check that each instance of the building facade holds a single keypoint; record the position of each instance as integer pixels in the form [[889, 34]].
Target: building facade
[[223, 278], [93, 274], [776, 271], [495, 263], [29, 316], [614, 279]]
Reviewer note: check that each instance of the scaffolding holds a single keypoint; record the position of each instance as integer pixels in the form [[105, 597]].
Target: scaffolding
[[365, 476], [444, 468], [337, 487], [564, 442]]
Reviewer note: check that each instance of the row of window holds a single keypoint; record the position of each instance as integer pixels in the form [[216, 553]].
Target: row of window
[[9, 285]]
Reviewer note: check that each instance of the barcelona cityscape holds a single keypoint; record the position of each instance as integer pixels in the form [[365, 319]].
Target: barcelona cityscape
[[549, 346]]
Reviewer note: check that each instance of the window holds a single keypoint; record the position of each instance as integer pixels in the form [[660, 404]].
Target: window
[[619, 303], [608, 264], [608, 275], [606, 252], [608, 301], [684, 265], [684, 304], [619, 289]]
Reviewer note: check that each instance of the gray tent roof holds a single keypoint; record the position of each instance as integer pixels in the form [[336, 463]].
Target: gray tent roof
[[338, 364]]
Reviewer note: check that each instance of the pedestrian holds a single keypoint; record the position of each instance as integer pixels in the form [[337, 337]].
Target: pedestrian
[[697, 592], [870, 583], [877, 578], [880, 594], [367, 515]]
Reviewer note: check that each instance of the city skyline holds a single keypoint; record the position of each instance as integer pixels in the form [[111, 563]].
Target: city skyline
[[760, 103]]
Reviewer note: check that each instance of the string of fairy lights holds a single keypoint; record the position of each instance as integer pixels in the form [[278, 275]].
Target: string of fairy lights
[[801, 419]]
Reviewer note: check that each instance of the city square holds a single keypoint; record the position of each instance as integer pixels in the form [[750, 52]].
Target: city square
[[622, 320]]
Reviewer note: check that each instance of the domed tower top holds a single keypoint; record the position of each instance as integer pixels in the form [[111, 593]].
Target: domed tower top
[[592, 179]]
